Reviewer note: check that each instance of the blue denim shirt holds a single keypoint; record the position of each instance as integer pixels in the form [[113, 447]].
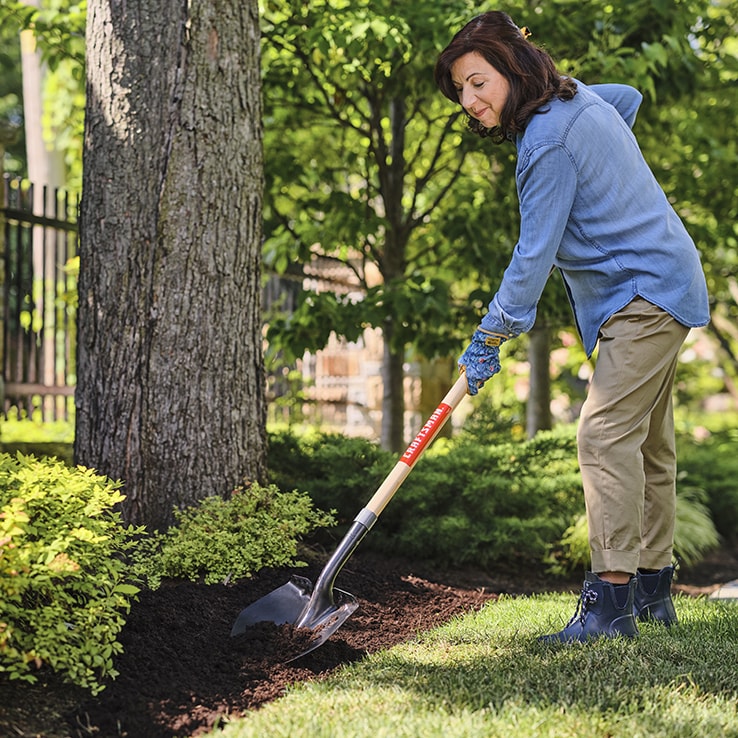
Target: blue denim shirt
[[591, 206]]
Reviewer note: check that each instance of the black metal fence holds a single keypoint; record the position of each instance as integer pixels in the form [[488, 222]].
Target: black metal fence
[[38, 238], [38, 259]]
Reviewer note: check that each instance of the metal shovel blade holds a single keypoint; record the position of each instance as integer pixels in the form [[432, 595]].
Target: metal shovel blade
[[323, 611]]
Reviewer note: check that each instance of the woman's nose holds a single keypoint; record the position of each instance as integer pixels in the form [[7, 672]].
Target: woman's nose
[[466, 97]]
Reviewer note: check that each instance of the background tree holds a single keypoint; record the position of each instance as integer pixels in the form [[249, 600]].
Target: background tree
[[170, 394], [57, 30], [685, 55], [695, 152], [368, 165], [677, 54], [325, 195], [361, 151]]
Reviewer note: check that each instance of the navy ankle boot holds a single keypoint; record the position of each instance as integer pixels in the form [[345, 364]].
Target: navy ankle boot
[[653, 597], [603, 609]]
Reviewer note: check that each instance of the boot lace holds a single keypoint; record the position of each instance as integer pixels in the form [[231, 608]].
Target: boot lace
[[586, 600]]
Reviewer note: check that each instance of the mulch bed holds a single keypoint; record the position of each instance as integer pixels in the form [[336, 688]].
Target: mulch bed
[[181, 673]]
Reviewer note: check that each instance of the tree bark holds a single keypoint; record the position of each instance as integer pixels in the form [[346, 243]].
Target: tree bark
[[538, 411], [170, 391], [393, 395], [392, 267]]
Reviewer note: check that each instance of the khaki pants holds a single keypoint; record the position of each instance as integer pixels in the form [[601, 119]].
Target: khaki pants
[[626, 442]]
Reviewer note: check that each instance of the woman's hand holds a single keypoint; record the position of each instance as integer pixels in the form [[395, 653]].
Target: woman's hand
[[481, 360]]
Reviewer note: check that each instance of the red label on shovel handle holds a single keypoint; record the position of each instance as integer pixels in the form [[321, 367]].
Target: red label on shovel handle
[[427, 434]]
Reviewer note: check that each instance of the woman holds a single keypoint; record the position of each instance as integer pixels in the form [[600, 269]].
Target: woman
[[591, 207]]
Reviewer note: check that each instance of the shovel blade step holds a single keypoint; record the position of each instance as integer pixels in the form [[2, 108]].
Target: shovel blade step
[[328, 622], [296, 603]]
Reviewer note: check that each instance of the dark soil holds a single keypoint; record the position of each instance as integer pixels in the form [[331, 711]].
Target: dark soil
[[181, 673]]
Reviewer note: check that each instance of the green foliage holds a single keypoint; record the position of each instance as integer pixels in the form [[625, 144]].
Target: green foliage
[[380, 171], [571, 553], [498, 414], [64, 591], [58, 28], [337, 472], [464, 501], [312, 322], [43, 450], [381, 177], [286, 394], [712, 466], [471, 503], [222, 540], [374, 156], [643, 43], [694, 532], [25, 430], [11, 99], [53, 439], [483, 499]]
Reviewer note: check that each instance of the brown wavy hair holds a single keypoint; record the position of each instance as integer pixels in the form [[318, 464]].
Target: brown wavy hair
[[529, 70]]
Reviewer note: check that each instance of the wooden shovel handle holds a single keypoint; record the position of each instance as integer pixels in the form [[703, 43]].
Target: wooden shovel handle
[[413, 452]]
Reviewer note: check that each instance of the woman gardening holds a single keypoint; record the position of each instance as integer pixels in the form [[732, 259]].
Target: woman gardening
[[591, 207]]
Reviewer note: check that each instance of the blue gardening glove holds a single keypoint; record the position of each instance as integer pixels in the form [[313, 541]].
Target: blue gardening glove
[[481, 360]]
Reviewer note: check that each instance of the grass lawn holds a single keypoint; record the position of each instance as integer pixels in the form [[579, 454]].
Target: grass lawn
[[486, 675]]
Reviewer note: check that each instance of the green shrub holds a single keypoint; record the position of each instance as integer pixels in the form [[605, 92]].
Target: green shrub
[[463, 502], [571, 553], [52, 439], [222, 540], [25, 430], [63, 589], [695, 532], [712, 466], [53, 450], [337, 472], [471, 503]]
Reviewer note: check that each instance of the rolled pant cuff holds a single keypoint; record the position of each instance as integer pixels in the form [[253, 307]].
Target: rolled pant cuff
[[655, 559], [611, 560]]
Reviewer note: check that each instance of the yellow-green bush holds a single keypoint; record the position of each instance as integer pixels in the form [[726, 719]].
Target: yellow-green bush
[[64, 592], [224, 540]]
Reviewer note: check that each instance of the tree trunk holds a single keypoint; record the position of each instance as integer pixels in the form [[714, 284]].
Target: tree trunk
[[538, 412], [393, 395], [170, 395], [45, 162], [391, 160], [46, 172]]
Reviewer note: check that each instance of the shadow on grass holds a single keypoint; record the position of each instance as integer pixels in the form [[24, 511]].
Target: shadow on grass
[[678, 681]]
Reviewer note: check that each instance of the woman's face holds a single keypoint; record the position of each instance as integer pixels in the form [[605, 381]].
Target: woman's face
[[482, 90]]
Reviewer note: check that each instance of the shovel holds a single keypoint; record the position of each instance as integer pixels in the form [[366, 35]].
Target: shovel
[[321, 608]]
